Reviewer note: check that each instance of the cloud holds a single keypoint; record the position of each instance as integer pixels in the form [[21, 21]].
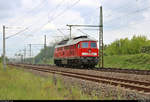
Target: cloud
[[125, 18], [49, 26], [90, 3], [119, 21], [7, 8], [9, 4], [30, 4], [87, 3]]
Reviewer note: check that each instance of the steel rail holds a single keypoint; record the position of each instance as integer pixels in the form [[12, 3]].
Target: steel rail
[[119, 70], [133, 85]]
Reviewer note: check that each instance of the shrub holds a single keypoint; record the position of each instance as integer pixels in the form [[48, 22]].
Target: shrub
[[126, 46]]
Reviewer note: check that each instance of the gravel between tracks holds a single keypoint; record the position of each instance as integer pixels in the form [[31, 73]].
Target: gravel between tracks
[[101, 90], [145, 78]]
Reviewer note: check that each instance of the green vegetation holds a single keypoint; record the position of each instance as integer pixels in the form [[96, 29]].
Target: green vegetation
[[45, 55], [17, 84], [136, 61], [123, 53], [126, 46]]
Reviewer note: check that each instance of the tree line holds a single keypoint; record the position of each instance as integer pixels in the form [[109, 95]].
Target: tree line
[[135, 45], [45, 55]]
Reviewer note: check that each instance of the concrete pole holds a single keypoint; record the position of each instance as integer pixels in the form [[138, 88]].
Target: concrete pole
[[21, 58], [4, 59], [32, 57], [102, 36], [45, 48], [101, 61], [30, 52], [70, 32], [24, 54]]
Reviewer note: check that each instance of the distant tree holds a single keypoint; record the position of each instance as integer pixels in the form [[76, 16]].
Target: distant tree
[[0, 59], [126, 46], [137, 43], [45, 54]]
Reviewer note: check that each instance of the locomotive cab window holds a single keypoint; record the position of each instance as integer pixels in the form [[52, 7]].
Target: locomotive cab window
[[93, 45], [75, 46], [84, 44], [78, 45]]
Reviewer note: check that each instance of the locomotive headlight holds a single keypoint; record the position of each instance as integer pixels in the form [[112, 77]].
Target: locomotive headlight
[[94, 54], [83, 53]]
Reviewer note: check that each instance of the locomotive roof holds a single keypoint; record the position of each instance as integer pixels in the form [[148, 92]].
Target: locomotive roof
[[73, 41]]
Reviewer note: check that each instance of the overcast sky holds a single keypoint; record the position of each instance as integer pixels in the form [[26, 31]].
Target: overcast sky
[[122, 18]]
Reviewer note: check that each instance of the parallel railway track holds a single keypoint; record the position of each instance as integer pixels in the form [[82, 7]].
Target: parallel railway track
[[130, 84], [118, 70]]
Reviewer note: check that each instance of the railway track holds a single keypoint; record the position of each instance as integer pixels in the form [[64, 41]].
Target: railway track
[[130, 84], [118, 70], [129, 71]]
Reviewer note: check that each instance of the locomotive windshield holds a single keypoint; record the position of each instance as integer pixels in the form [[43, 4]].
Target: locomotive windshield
[[93, 45], [84, 44]]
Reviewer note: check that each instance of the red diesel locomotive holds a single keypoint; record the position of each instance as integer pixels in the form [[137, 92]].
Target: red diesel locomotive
[[80, 51]]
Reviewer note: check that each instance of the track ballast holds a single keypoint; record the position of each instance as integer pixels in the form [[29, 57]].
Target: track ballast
[[131, 84]]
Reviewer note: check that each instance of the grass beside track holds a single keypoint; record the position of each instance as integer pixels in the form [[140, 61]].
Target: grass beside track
[[17, 84], [137, 61]]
